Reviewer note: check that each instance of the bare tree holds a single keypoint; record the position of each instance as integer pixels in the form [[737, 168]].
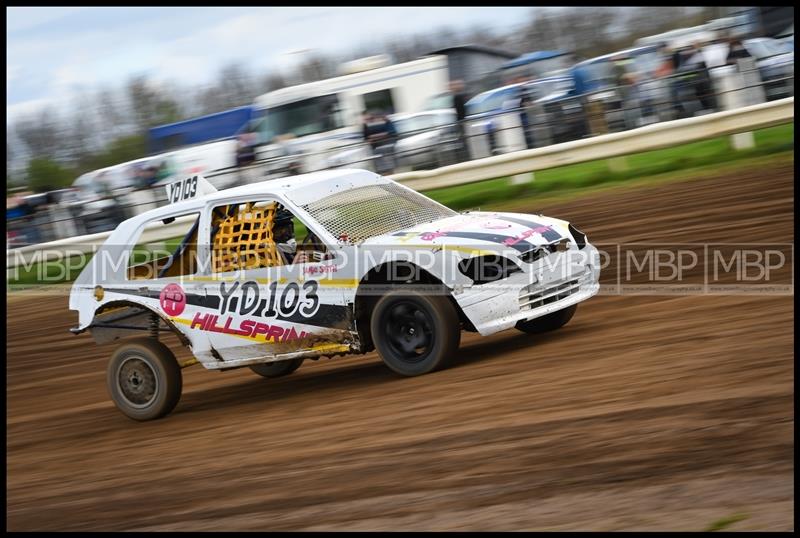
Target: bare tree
[[151, 105], [273, 81], [38, 132], [237, 86], [316, 67]]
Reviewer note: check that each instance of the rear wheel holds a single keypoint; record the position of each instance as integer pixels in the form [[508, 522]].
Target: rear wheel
[[550, 322], [277, 369], [414, 333], [144, 379]]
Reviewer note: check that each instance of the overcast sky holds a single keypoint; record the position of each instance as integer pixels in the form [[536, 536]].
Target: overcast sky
[[54, 53]]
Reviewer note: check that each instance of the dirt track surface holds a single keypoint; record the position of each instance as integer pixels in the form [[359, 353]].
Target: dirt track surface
[[644, 413]]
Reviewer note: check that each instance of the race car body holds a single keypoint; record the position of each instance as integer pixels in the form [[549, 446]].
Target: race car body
[[380, 267]]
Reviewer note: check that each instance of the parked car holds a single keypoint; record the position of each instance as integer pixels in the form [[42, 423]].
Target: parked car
[[440, 101], [775, 61], [100, 205], [517, 116], [426, 139]]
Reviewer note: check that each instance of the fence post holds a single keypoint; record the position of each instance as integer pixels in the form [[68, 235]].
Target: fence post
[[740, 86], [618, 164], [519, 179]]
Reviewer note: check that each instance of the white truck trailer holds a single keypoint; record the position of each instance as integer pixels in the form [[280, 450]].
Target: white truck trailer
[[307, 124]]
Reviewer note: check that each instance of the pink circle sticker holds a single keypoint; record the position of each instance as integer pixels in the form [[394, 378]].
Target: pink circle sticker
[[173, 300]]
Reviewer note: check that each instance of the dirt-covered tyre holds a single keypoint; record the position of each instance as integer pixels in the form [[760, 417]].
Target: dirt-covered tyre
[[277, 369], [550, 322], [144, 379], [414, 333]]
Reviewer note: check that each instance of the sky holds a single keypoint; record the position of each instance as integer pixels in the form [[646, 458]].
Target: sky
[[54, 54]]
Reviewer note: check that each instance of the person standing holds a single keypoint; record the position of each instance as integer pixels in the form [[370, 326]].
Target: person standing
[[460, 106], [380, 134], [704, 89]]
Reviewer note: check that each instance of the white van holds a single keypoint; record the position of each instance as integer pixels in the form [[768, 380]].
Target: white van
[[303, 126]]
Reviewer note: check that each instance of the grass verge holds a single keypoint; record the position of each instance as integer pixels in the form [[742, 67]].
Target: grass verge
[[715, 151], [725, 522]]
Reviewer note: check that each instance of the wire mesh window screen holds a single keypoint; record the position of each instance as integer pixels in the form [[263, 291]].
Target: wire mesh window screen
[[243, 238], [357, 214]]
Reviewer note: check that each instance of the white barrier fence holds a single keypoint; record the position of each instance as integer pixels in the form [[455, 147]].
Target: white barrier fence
[[650, 137]]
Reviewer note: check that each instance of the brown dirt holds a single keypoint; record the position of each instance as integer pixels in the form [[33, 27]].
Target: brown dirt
[[644, 413]]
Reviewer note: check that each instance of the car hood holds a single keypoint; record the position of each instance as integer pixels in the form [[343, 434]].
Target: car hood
[[555, 96], [509, 234], [777, 60], [418, 140]]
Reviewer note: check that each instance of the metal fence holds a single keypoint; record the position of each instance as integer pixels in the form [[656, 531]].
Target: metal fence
[[532, 125]]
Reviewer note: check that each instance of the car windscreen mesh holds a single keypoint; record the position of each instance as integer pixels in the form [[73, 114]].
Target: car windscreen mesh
[[355, 215]]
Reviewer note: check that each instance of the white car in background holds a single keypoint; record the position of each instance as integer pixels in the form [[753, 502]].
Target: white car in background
[[775, 60], [426, 139], [380, 267]]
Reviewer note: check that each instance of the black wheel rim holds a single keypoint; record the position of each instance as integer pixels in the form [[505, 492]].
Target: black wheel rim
[[137, 382], [409, 331]]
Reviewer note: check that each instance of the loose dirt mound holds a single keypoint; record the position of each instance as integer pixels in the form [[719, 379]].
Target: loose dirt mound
[[643, 413]]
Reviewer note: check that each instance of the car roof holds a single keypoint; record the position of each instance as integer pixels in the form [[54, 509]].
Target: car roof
[[301, 189], [546, 79], [488, 93], [532, 57], [434, 111], [604, 57]]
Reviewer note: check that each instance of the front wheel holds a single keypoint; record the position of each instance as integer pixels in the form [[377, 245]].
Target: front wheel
[[144, 379], [550, 322], [277, 369], [414, 333]]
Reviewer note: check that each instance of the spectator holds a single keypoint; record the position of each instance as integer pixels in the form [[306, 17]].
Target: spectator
[[704, 89], [665, 68], [528, 116], [736, 51], [624, 80], [245, 148], [460, 106], [380, 134], [634, 99], [163, 171], [678, 56]]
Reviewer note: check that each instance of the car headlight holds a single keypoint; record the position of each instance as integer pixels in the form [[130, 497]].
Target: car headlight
[[578, 236], [489, 268]]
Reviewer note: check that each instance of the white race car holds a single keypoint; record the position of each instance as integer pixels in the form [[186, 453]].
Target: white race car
[[378, 266]]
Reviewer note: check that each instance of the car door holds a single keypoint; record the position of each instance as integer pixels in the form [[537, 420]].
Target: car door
[[271, 309]]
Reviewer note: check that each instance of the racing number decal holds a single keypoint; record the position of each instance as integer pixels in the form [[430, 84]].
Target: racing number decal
[[182, 190], [292, 299]]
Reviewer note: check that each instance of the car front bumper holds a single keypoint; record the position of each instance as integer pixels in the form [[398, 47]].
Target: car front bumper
[[531, 294]]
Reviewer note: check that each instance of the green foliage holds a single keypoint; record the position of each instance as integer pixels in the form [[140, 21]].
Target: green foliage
[[45, 174]]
